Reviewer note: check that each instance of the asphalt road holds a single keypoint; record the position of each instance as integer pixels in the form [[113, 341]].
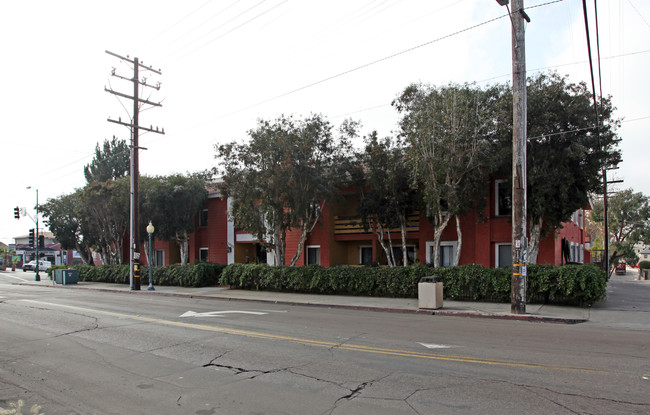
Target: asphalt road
[[86, 352]]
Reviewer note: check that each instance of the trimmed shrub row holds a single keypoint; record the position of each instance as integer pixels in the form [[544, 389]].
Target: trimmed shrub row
[[569, 284], [200, 274]]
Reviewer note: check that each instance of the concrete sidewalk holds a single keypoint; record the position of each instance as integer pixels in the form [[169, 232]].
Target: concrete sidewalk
[[534, 312]]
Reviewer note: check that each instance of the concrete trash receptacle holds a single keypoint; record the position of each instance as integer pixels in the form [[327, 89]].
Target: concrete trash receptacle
[[430, 293]]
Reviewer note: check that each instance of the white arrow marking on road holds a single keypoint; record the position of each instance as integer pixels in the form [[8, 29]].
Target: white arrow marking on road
[[219, 313], [437, 346]]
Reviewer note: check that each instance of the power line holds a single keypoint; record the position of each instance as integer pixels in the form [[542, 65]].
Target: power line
[[176, 23], [233, 29], [639, 13]]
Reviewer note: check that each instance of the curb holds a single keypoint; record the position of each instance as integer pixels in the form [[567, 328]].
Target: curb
[[436, 312]]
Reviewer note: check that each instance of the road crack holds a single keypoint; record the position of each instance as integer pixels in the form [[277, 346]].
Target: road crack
[[534, 388]]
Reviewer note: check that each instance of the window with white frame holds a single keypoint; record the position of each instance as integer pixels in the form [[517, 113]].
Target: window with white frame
[[313, 255], [503, 255], [447, 252], [502, 198], [365, 255], [203, 254], [581, 256], [159, 259]]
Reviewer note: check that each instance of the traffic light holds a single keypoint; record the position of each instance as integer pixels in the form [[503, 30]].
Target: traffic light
[[41, 241], [31, 237], [16, 213]]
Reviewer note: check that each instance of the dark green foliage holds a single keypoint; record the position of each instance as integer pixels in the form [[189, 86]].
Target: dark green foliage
[[644, 265], [201, 274], [50, 271], [281, 178], [111, 161], [118, 274], [571, 284]]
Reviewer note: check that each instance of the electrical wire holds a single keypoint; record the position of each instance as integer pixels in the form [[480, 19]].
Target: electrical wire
[[638, 12], [173, 25], [224, 24]]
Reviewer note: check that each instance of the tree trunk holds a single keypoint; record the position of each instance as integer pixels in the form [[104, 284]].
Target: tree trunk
[[535, 239], [183, 246], [279, 247], [460, 242], [85, 255], [391, 257], [305, 230], [402, 221], [379, 231], [440, 224]]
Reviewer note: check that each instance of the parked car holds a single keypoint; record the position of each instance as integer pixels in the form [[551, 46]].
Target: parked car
[[42, 265], [620, 268]]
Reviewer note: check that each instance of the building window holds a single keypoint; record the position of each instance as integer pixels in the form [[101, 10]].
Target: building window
[[203, 254], [447, 252], [159, 259], [503, 255], [398, 254], [581, 258], [313, 255], [503, 198], [365, 255], [203, 220]]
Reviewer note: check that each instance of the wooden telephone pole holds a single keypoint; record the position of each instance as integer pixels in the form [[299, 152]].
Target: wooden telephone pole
[[519, 134], [134, 125]]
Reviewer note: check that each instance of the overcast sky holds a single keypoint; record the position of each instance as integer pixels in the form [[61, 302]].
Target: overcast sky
[[227, 63]]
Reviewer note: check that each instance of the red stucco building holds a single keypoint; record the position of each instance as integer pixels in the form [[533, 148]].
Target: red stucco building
[[339, 239]]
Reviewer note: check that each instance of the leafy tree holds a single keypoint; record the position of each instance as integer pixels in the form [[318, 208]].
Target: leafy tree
[[172, 203], [449, 131], [386, 194], [565, 156], [65, 220], [105, 217], [281, 179], [111, 161], [628, 223]]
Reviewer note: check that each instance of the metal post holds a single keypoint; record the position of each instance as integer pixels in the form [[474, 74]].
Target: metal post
[[36, 241], [150, 230]]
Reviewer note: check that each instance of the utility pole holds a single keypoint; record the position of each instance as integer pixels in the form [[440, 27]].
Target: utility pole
[[519, 134], [134, 126]]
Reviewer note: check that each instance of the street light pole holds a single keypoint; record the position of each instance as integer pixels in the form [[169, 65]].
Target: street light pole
[[150, 230]]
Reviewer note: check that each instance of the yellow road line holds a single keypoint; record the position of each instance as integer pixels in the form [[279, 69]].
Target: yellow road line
[[350, 347]]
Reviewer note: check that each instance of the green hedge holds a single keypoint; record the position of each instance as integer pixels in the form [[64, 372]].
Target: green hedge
[[569, 284], [200, 274], [644, 265]]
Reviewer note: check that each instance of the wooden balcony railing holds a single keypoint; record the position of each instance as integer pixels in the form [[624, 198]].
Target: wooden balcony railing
[[352, 225]]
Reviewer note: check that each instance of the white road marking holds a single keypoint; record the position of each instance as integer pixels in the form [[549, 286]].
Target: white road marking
[[437, 346], [219, 313], [18, 278]]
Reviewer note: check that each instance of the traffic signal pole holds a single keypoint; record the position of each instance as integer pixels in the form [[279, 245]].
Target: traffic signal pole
[[36, 240]]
